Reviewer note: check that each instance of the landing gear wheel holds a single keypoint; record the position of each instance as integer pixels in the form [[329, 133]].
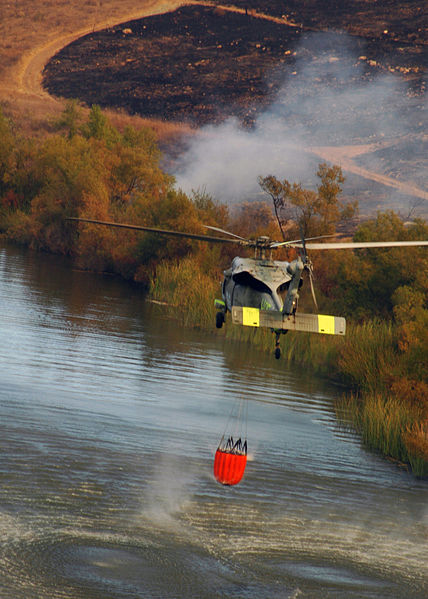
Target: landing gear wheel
[[219, 319], [277, 353]]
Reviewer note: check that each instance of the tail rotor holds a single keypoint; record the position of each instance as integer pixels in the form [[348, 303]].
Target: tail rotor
[[311, 282], [309, 267]]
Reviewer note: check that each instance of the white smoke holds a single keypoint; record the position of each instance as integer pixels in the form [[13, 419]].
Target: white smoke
[[328, 98], [225, 160]]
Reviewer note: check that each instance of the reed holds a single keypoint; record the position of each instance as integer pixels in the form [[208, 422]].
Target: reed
[[317, 352], [416, 441], [188, 291], [386, 424], [368, 356]]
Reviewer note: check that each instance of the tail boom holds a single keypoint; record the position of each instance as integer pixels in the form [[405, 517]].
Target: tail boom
[[310, 323]]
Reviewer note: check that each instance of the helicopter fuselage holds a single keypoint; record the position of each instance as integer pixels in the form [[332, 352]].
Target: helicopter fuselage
[[256, 283], [262, 292]]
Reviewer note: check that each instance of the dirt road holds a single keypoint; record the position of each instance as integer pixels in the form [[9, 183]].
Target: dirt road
[[28, 73], [343, 155]]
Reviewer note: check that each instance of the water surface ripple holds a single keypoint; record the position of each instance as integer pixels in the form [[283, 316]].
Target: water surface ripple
[[109, 417]]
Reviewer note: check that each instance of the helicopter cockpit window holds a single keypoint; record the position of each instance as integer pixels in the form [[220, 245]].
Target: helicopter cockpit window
[[244, 278], [282, 289]]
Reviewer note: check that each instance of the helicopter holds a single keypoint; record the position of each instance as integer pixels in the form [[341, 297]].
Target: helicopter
[[261, 291]]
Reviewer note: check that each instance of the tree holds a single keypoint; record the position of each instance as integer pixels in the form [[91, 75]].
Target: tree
[[135, 167], [99, 127], [254, 219], [70, 119], [278, 192], [363, 282], [173, 211], [312, 212], [73, 175], [210, 212]]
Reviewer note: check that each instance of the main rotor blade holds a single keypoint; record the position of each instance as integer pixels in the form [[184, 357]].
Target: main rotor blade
[[359, 244], [278, 244], [154, 230], [225, 232]]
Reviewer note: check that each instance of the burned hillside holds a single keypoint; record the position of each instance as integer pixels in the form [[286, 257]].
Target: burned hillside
[[195, 64], [203, 64]]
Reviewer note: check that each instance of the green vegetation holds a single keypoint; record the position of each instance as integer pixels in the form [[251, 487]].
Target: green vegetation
[[314, 212], [91, 169]]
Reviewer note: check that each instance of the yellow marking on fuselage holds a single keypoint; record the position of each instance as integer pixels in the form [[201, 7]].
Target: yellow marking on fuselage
[[251, 317], [326, 324]]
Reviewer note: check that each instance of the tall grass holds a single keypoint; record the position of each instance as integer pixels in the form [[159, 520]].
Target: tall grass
[[386, 424], [369, 355], [188, 291], [416, 440], [388, 420]]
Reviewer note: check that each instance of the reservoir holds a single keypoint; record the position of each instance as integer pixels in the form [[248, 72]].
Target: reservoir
[[110, 415]]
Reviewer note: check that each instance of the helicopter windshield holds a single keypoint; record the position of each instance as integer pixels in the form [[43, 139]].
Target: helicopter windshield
[[255, 283], [249, 291]]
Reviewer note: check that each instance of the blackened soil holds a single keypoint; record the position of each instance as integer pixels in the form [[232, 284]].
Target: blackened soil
[[384, 22], [196, 64], [200, 64], [193, 64]]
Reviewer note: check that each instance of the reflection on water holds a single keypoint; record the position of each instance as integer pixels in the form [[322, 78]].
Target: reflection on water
[[109, 417]]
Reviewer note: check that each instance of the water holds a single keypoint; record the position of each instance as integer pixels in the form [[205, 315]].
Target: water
[[109, 419]]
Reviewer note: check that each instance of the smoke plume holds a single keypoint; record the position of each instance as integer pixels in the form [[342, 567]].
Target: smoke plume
[[331, 96]]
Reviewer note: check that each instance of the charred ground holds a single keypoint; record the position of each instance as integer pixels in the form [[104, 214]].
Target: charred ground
[[200, 64], [196, 64]]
